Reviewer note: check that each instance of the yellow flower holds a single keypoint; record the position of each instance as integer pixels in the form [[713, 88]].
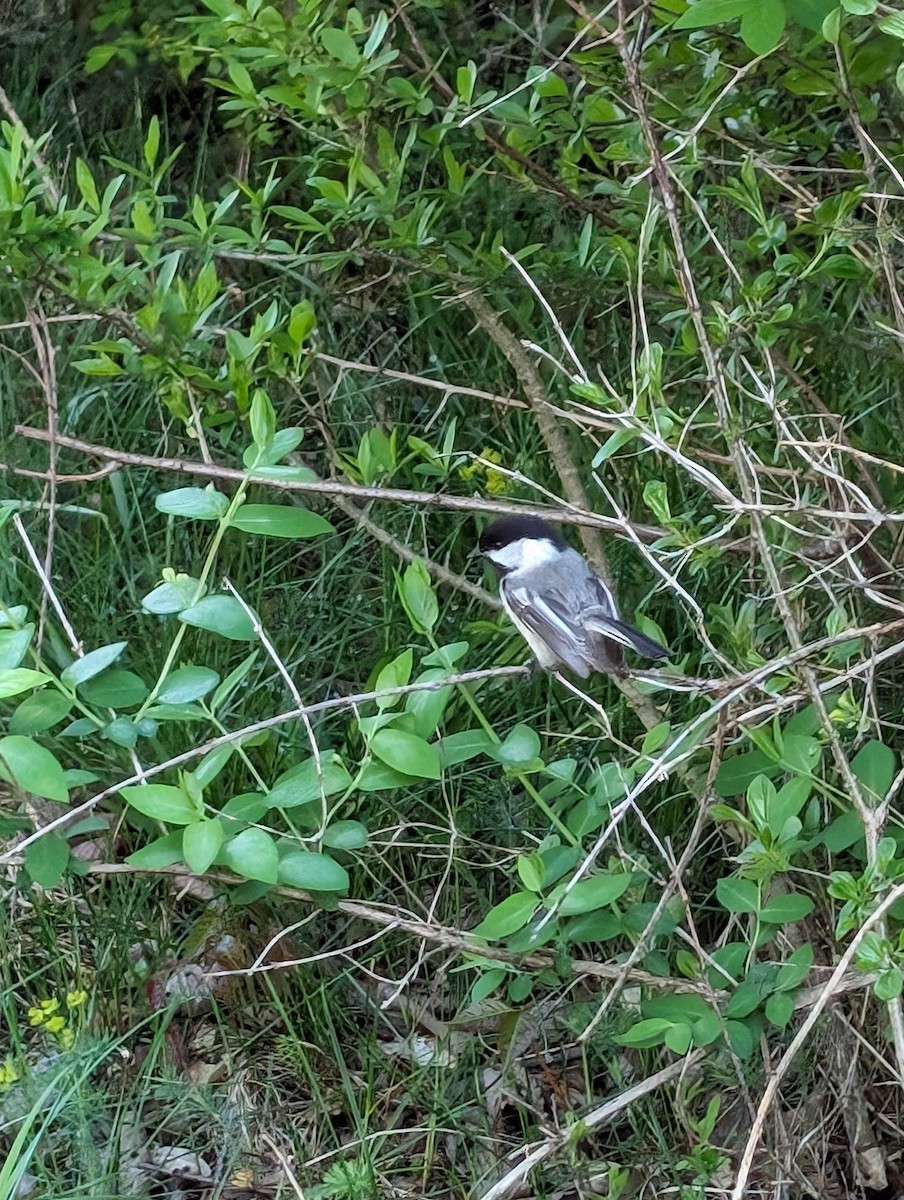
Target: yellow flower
[[8, 1073], [76, 999], [35, 1016], [66, 1038], [55, 1024], [49, 1006]]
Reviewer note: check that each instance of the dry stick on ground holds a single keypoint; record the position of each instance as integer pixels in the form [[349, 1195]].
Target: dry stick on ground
[[601, 1115], [450, 938], [745, 477], [332, 487]]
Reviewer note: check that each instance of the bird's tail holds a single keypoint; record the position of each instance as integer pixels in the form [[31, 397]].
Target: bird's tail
[[626, 635]]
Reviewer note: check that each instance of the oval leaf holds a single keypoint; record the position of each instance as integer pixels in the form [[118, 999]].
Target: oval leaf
[[280, 520], [39, 711], [202, 504], [220, 614], [163, 802], [253, 854], [32, 768], [92, 664], [162, 852], [187, 684], [507, 917], [407, 753], [313, 872], [20, 679], [201, 842], [520, 748], [591, 894], [346, 835]]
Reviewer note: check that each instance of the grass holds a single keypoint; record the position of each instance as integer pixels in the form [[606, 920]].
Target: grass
[[364, 1066]]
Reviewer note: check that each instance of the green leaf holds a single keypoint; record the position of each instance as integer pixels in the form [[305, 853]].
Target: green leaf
[[186, 684], [220, 614], [213, 763], [780, 1009], [507, 917], [784, 909], [893, 24], [46, 859], [263, 419], [14, 645], [831, 26], [171, 597], [874, 765], [152, 143], [407, 753], [426, 708], [302, 784], [232, 681], [162, 852], [646, 1033], [346, 835], [376, 776], [32, 768], [340, 45], [312, 872], [735, 774], [613, 444], [163, 802], [591, 894], [456, 748], [795, 968], [889, 984], [712, 12], [280, 520], [418, 598], [253, 855], [738, 895], [678, 1038], [116, 688], [39, 711], [532, 871], [20, 679], [842, 833], [201, 504], [201, 842], [92, 664], [521, 747], [446, 656], [15, 614], [394, 675], [762, 25], [741, 1038], [244, 809]]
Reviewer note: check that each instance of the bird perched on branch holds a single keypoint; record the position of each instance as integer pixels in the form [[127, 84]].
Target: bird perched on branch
[[558, 604]]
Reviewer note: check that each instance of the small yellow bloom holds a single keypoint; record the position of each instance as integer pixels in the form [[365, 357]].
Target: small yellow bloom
[[35, 1016], [55, 1024], [76, 999], [49, 1006], [66, 1038], [8, 1073]]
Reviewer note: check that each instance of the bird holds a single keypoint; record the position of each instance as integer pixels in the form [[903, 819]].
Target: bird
[[557, 602]]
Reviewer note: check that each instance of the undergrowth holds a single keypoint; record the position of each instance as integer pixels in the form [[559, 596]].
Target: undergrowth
[[310, 884]]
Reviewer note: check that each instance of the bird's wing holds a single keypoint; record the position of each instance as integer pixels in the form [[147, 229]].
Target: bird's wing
[[599, 621], [544, 616]]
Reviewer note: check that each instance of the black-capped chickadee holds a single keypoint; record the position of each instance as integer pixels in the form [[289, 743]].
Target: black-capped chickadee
[[561, 608]]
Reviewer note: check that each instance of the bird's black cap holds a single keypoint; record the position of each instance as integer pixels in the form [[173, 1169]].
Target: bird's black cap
[[511, 529]]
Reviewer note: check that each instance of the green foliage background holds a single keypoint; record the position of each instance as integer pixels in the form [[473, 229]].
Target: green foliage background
[[294, 297]]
